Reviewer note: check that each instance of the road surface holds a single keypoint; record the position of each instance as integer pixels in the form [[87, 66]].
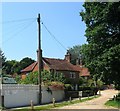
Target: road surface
[[97, 103]]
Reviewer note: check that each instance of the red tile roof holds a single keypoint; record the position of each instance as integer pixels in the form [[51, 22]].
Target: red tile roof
[[56, 64], [30, 67], [85, 72], [59, 64]]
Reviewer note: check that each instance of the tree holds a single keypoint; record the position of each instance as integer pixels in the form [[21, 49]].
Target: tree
[[11, 67], [2, 60], [26, 62], [102, 52], [32, 78], [47, 77], [75, 53]]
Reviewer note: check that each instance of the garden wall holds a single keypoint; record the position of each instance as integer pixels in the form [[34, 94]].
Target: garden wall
[[16, 95]]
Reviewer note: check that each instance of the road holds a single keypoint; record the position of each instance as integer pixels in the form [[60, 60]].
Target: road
[[97, 103]]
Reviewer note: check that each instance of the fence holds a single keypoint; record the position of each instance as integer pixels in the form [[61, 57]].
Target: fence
[[16, 95]]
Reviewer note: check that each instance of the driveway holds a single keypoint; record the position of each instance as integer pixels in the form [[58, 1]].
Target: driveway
[[97, 103]]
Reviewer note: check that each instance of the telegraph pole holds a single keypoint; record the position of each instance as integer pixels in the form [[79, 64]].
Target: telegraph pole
[[39, 57]]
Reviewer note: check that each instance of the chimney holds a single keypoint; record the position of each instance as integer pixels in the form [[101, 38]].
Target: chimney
[[68, 56], [77, 61]]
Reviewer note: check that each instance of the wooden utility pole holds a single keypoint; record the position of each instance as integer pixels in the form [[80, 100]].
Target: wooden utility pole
[[39, 57]]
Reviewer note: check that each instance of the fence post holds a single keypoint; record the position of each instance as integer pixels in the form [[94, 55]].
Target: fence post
[[80, 95], [53, 102], [88, 96], [70, 99], [32, 107], [80, 98], [99, 92], [2, 101], [114, 98], [94, 94]]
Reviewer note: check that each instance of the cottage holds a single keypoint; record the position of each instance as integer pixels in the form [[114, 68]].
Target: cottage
[[63, 66]]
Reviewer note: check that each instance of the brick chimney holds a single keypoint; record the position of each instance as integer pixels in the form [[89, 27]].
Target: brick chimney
[[68, 56], [77, 61]]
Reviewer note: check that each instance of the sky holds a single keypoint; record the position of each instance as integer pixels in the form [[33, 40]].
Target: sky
[[20, 28]]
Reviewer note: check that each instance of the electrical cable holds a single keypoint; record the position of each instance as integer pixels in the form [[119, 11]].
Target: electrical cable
[[53, 36], [8, 29], [23, 29], [19, 20]]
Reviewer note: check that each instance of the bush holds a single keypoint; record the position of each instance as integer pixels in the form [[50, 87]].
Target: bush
[[68, 87], [117, 87], [88, 89], [56, 85], [46, 77]]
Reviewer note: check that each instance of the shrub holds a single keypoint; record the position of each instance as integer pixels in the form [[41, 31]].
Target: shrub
[[46, 76], [89, 89], [68, 87], [56, 85]]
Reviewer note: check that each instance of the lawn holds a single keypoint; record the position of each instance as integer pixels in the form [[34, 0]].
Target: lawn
[[50, 106]]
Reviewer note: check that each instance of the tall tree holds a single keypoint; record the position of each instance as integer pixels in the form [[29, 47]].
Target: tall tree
[[13, 66], [2, 60], [103, 35], [26, 62], [75, 52]]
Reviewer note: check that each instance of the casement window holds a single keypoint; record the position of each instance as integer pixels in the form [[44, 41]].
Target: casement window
[[72, 75]]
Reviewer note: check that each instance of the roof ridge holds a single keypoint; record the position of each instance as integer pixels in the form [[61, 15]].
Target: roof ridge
[[53, 58], [34, 65]]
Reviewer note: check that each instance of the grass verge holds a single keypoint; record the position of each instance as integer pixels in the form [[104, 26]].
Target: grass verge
[[113, 103], [50, 106]]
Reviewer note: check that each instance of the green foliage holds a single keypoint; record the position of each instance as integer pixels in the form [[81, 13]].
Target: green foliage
[[90, 82], [115, 102], [2, 60], [68, 87], [32, 78], [25, 62], [87, 89], [56, 85], [81, 81], [75, 53], [13, 66], [99, 83], [47, 78], [17, 78], [102, 53]]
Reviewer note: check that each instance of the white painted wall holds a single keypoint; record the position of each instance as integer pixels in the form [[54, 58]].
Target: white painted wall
[[57, 94], [20, 95]]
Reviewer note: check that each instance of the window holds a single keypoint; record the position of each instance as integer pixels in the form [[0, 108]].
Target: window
[[27, 74], [72, 75]]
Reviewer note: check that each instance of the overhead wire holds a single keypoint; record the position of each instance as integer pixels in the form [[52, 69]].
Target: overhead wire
[[20, 31], [22, 20], [52, 35], [8, 29], [19, 20]]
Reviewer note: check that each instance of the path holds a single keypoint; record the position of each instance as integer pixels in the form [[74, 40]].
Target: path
[[97, 103]]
